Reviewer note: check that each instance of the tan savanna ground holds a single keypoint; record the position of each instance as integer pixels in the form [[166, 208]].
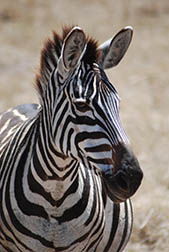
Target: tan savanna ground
[[142, 81]]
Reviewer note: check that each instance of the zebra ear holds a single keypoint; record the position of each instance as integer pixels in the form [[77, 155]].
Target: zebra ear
[[114, 49], [73, 48]]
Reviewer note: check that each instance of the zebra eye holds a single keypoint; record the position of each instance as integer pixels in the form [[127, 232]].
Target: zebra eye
[[82, 105]]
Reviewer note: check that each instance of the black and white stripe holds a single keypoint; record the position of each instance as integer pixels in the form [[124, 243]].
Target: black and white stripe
[[66, 171]]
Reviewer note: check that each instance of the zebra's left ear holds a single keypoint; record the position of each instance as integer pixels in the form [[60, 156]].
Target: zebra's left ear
[[73, 48], [114, 49]]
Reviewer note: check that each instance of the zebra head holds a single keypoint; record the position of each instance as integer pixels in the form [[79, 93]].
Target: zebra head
[[85, 119]]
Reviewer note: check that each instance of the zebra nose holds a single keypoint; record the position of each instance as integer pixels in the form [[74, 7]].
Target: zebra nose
[[124, 182]]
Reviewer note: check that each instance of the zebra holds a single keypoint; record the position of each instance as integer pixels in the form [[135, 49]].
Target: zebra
[[67, 170]]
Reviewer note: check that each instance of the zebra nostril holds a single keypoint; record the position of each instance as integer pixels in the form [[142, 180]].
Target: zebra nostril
[[129, 173], [129, 180], [125, 181]]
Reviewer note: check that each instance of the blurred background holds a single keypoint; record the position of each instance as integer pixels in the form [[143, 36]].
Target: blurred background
[[142, 81]]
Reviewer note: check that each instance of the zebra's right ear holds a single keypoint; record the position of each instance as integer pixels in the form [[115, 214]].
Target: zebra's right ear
[[73, 48], [113, 50]]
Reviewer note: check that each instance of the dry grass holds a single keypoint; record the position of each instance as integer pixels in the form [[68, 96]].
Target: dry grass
[[141, 79]]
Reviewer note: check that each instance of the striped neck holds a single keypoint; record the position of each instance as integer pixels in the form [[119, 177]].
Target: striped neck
[[51, 171]]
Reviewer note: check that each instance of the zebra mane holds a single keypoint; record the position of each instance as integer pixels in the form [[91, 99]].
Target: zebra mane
[[50, 54]]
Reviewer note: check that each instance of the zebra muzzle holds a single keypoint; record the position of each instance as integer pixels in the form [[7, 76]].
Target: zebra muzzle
[[124, 182]]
